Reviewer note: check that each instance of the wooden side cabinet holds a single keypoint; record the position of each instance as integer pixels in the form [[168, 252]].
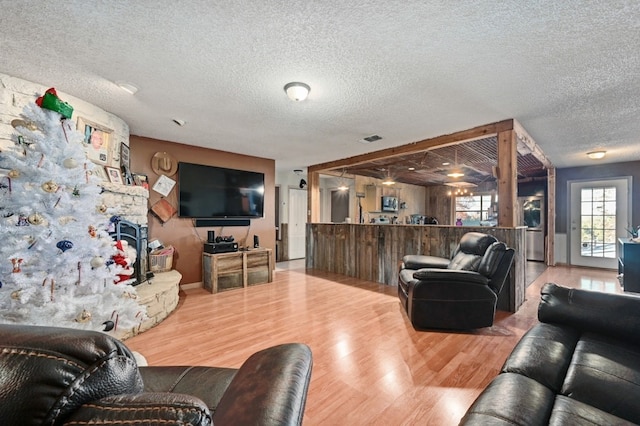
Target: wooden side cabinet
[[629, 264], [225, 271]]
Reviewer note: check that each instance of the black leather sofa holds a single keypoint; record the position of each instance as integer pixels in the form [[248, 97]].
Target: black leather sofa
[[459, 293], [59, 376], [579, 366]]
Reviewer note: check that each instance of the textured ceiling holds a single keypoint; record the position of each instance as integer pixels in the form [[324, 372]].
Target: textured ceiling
[[406, 70]]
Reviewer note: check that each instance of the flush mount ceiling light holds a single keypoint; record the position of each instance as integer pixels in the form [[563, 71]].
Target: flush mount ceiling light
[[127, 87], [596, 155], [455, 174], [297, 91]]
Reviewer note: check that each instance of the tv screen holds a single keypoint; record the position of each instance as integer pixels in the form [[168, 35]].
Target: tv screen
[[208, 191]]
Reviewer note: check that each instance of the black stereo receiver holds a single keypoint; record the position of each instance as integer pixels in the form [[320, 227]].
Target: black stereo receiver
[[223, 247]]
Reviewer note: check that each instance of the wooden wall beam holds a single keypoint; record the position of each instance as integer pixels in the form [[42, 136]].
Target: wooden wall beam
[[420, 146], [313, 197], [507, 178], [551, 217]]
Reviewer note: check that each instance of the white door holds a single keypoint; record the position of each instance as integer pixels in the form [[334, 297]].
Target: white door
[[297, 223], [598, 215]]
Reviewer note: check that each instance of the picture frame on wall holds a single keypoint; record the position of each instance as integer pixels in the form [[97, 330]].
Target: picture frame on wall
[[124, 156], [96, 140], [114, 175], [100, 173]]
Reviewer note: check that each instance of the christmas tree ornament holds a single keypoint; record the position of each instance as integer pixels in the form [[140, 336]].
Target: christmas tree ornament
[[35, 219], [84, 316], [50, 186], [13, 174], [70, 163], [102, 208], [15, 295], [18, 122], [115, 219], [22, 221], [51, 101], [64, 245], [17, 263], [0, 284], [97, 262], [108, 325], [92, 231], [117, 318], [75, 192]]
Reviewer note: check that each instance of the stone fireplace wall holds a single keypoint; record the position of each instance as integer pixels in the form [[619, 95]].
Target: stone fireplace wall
[[130, 202]]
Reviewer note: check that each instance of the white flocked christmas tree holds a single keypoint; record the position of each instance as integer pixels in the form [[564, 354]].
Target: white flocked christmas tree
[[56, 264]]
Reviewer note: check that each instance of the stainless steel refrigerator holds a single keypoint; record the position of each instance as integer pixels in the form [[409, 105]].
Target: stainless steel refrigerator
[[533, 218]]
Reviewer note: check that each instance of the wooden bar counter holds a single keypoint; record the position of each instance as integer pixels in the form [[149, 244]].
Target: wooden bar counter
[[373, 251]]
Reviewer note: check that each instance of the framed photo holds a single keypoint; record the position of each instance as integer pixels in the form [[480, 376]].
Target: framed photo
[[124, 156], [114, 175], [96, 139], [100, 173], [164, 185]]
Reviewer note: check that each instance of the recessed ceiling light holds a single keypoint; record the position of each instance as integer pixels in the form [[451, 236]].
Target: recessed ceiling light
[[127, 87], [412, 168], [596, 155]]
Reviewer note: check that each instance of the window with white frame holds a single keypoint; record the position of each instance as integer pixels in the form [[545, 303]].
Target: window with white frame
[[472, 209]]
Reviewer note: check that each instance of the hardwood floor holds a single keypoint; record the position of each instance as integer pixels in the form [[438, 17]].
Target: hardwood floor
[[370, 366]]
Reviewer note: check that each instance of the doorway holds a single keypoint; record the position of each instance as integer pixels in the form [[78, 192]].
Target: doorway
[[598, 215], [339, 206], [297, 223]]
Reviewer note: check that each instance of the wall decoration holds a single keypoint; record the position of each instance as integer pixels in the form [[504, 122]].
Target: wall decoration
[[163, 163], [96, 139], [100, 173], [114, 175], [124, 156], [141, 180], [164, 185]]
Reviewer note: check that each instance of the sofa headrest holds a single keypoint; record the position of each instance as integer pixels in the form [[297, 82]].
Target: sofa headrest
[[48, 372], [476, 243], [468, 254]]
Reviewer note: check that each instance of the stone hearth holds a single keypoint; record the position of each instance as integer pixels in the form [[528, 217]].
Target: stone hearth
[[160, 295]]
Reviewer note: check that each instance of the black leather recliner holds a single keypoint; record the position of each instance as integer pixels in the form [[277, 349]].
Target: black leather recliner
[[460, 293], [57, 376]]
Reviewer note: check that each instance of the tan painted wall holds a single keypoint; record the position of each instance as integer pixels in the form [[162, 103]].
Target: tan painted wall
[[181, 233]]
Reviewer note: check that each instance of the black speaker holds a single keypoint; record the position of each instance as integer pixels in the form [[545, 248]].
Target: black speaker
[[211, 236], [256, 241], [222, 222]]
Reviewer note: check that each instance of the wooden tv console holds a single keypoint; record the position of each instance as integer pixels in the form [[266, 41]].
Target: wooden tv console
[[226, 271]]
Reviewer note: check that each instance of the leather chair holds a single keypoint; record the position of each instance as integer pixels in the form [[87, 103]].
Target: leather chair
[[56, 376], [459, 293]]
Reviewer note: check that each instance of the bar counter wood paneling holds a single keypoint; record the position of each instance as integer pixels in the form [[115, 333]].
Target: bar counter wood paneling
[[373, 252]]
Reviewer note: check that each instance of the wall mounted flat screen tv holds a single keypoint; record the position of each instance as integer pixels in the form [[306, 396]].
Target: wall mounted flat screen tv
[[216, 192]]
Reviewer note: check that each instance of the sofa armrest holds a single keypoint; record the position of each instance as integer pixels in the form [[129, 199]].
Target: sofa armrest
[[143, 408], [270, 388], [419, 261], [616, 315]]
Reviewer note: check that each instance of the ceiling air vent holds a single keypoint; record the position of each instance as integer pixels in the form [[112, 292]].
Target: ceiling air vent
[[370, 139]]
